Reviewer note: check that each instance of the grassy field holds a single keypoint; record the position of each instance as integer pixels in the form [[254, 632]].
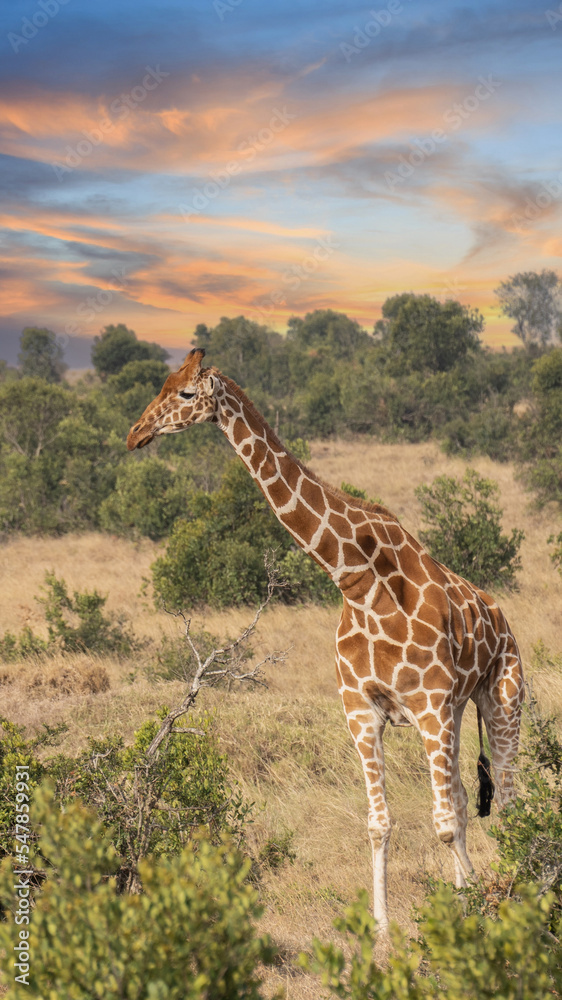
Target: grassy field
[[289, 746]]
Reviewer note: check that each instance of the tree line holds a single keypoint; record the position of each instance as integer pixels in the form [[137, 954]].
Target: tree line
[[423, 372]]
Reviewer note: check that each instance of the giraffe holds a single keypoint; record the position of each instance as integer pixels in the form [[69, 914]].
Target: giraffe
[[415, 641]]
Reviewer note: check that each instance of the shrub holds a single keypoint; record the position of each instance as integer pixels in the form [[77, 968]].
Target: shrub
[[57, 457], [305, 581], [75, 625], [154, 805], [455, 956], [529, 833], [189, 935], [216, 557], [465, 530], [14, 750], [148, 804], [278, 851], [22, 646], [491, 431]]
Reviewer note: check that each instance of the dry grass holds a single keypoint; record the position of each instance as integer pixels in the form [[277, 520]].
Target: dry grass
[[289, 746]]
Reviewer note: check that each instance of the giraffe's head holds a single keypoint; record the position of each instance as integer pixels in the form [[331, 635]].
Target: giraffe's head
[[187, 397]]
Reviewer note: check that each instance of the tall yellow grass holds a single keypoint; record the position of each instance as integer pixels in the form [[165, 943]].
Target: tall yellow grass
[[289, 746]]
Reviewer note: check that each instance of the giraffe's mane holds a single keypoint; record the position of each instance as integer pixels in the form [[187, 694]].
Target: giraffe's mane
[[372, 508]]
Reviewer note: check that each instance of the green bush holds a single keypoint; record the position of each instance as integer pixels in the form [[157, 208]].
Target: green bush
[[190, 934], [153, 805], [455, 957], [541, 448], [529, 832], [491, 431], [149, 804], [465, 530], [217, 557], [74, 624], [16, 749], [58, 457], [305, 581]]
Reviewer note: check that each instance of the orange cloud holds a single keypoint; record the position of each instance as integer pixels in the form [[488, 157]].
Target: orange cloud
[[261, 132]]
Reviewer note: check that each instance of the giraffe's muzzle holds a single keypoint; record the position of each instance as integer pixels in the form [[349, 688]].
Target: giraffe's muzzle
[[139, 436]]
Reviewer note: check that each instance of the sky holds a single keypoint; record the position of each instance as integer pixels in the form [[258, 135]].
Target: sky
[[164, 165]]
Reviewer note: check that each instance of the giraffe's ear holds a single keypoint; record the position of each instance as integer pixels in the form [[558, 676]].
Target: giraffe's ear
[[192, 362], [208, 384]]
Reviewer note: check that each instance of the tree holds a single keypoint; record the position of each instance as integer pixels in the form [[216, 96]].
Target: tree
[[244, 350], [465, 530], [41, 355], [547, 389], [534, 301], [7, 373], [421, 334], [328, 331], [58, 457], [30, 415], [542, 445], [147, 499], [118, 345], [135, 385]]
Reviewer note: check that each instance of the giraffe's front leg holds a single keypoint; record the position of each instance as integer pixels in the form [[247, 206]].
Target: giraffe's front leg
[[366, 727], [441, 736]]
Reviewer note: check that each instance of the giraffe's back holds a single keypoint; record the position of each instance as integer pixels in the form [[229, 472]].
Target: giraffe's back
[[413, 633]]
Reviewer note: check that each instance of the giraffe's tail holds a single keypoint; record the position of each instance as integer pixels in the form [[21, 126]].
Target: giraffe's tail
[[486, 785]]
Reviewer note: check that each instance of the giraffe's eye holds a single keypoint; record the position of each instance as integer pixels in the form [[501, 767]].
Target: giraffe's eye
[[187, 395]]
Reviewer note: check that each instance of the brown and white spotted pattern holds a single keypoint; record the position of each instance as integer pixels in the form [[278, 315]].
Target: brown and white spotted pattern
[[415, 641]]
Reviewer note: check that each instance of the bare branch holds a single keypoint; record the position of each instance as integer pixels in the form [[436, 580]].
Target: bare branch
[[228, 667]]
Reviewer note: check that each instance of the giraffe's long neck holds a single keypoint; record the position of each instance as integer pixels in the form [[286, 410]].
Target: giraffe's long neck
[[339, 536]]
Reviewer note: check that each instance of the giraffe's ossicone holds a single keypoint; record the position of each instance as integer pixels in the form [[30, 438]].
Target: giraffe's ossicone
[[415, 641]]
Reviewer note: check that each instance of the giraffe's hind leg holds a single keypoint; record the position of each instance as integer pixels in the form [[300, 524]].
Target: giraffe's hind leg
[[500, 698]]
